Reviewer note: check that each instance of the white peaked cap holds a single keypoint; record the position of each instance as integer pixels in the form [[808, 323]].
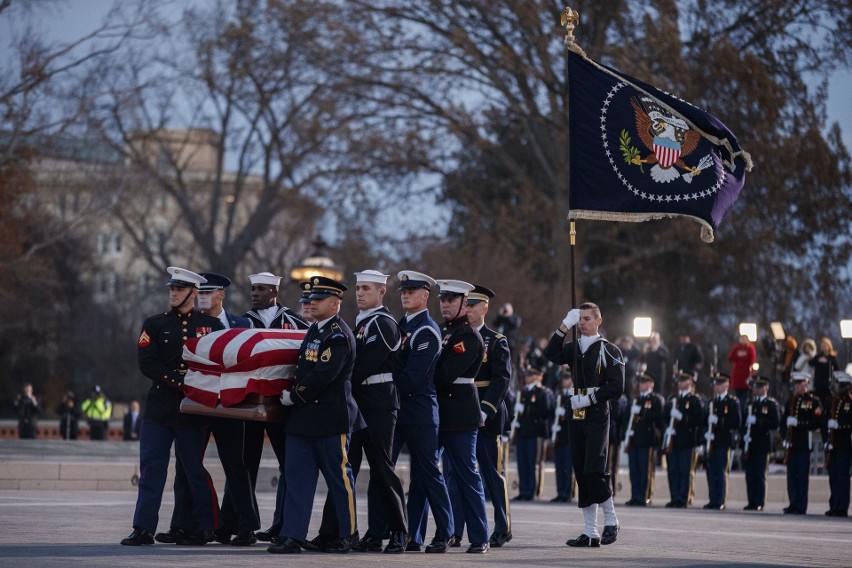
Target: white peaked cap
[[455, 286], [183, 275]]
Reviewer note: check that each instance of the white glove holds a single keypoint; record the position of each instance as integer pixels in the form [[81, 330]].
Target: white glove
[[833, 424], [482, 417], [572, 318], [828, 446], [560, 411], [678, 415], [580, 401], [709, 436], [286, 400], [669, 432], [792, 422], [556, 428], [519, 407], [635, 409], [747, 439], [713, 419], [785, 444], [751, 419]]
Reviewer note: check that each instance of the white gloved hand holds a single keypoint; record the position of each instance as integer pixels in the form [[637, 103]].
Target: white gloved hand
[[747, 439], [792, 422], [833, 424], [519, 408], [635, 409], [572, 318], [751, 419], [785, 444], [709, 436], [482, 417], [580, 401], [669, 432], [286, 399], [678, 415], [560, 411], [828, 446], [713, 419]]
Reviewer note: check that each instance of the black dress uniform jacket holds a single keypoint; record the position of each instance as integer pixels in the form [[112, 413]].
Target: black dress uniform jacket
[[322, 394], [539, 409], [461, 357], [285, 318], [160, 359], [377, 337], [492, 380], [564, 421], [768, 418], [649, 424], [843, 434], [728, 412], [688, 428], [807, 409]]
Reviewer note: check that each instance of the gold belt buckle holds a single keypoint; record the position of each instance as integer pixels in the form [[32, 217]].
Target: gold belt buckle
[[579, 413]]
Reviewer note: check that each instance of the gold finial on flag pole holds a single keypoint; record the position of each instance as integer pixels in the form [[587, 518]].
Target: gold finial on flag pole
[[569, 20]]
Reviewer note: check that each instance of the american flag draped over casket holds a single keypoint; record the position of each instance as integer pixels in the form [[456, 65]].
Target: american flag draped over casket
[[230, 365]]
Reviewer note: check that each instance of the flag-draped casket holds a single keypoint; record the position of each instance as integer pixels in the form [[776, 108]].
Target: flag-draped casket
[[240, 373]]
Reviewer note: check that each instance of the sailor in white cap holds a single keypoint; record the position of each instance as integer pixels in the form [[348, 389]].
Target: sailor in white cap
[[838, 448], [160, 360], [461, 355]]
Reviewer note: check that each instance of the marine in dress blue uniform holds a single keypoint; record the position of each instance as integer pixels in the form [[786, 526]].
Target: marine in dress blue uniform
[[321, 420], [597, 369], [762, 418], [377, 338], [160, 349], [723, 422], [647, 416], [802, 415], [267, 313], [838, 438], [414, 375], [460, 414], [686, 411]]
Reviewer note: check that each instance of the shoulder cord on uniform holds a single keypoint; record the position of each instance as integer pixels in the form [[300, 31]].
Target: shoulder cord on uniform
[[430, 328], [372, 319]]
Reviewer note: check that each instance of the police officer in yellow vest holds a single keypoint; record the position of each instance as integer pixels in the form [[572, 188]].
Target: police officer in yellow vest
[[98, 410]]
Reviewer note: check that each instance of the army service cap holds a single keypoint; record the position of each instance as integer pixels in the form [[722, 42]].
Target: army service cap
[[479, 294], [323, 287]]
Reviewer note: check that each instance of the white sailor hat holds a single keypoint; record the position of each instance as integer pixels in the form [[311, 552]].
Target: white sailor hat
[[842, 377], [798, 376], [265, 278], [409, 280], [183, 278], [456, 287], [372, 276]]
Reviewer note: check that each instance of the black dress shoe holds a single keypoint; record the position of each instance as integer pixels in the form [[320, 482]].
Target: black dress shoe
[[244, 538], [499, 539], [750, 507], [437, 546], [477, 548], [671, 505], [368, 544], [286, 546], [197, 538], [522, 498], [454, 542], [559, 499], [610, 534], [412, 546], [319, 542], [137, 538], [398, 543], [584, 541], [338, 546], [268, 534], [223, 536], [631, 503], [172, 536], [714, 507]]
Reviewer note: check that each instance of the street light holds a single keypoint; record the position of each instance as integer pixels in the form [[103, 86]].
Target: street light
[[749, 330], [641, 327], [777, 331], [316, 264]]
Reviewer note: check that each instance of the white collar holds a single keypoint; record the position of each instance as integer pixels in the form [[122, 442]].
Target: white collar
[[587, 341], [321, 324], [223, 317], [410, 317]]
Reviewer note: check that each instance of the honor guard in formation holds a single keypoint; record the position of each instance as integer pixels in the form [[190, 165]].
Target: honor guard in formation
[[618, 422], [492, 384], [414, 375], [723, 422], [459, 411], [685, 416], [802, 416], [534, 408], [598, 373], [762, 418], [267, 313], [160, 348], [838, 449], [644, 430], [561, 440], [377, 338], [321, 420], [239, 508]]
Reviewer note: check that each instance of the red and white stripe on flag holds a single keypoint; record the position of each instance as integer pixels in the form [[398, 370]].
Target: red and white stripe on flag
[[227, 365]]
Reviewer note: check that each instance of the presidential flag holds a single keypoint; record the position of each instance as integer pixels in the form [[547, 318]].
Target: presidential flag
[[228, 365], [638, 153]]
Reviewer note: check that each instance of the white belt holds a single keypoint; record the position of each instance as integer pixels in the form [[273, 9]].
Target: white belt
[[464, 381], [585, 391], [378, 379]]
